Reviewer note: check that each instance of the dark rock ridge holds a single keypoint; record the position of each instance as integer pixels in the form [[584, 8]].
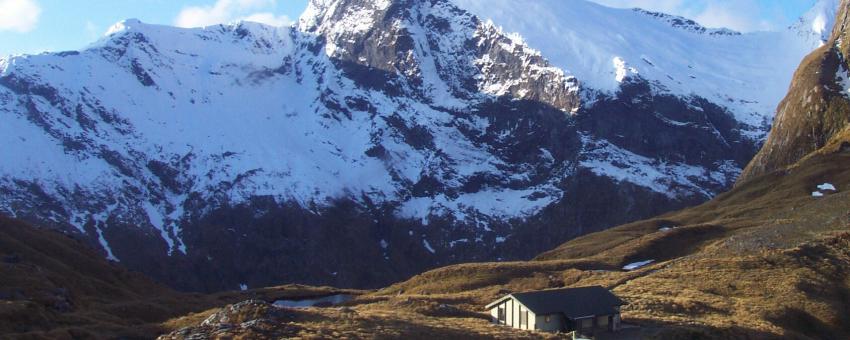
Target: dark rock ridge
[[686, 24], [373, 141]]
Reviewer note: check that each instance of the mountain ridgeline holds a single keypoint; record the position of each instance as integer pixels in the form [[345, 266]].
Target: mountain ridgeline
[[375, 139]]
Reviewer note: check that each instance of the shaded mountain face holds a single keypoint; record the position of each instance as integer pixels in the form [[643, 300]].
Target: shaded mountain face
[[375, 139], [816, 111], [56, 287]]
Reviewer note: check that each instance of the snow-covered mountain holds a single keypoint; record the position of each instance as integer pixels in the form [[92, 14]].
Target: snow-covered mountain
[[377, 138], [745, 73]]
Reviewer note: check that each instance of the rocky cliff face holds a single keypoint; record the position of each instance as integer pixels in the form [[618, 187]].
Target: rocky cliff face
[[817, 107], [375, 139]]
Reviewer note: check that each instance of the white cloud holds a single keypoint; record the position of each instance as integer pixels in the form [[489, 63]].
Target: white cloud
[[268, 19], [739, 15], [19, 15], [224, 11], [666, 6], [91, 29]]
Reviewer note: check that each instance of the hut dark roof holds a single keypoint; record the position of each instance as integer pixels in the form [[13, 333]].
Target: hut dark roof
[[572, 302]]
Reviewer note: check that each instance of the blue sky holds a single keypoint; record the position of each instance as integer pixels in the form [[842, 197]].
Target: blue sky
[[72, 24], [32, 26]]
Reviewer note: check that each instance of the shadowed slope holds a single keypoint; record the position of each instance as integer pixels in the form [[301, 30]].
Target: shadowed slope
[[54, 286]]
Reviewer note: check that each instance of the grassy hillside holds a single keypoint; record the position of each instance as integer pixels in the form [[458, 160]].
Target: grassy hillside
[[52, 286]]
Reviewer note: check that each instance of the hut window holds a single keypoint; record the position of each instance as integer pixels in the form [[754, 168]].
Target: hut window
[[502, 314], [602, 321], [523, 318]]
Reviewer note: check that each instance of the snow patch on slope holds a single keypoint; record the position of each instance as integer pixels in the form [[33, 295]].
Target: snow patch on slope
[[671, 179], [109, 255], [428, 246], [637, 265], [842, 78], [826, 187], [499, 203], [621, 70]]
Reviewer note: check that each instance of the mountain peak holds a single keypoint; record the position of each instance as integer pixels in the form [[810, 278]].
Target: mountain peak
[[359, 13], [124, 25]]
